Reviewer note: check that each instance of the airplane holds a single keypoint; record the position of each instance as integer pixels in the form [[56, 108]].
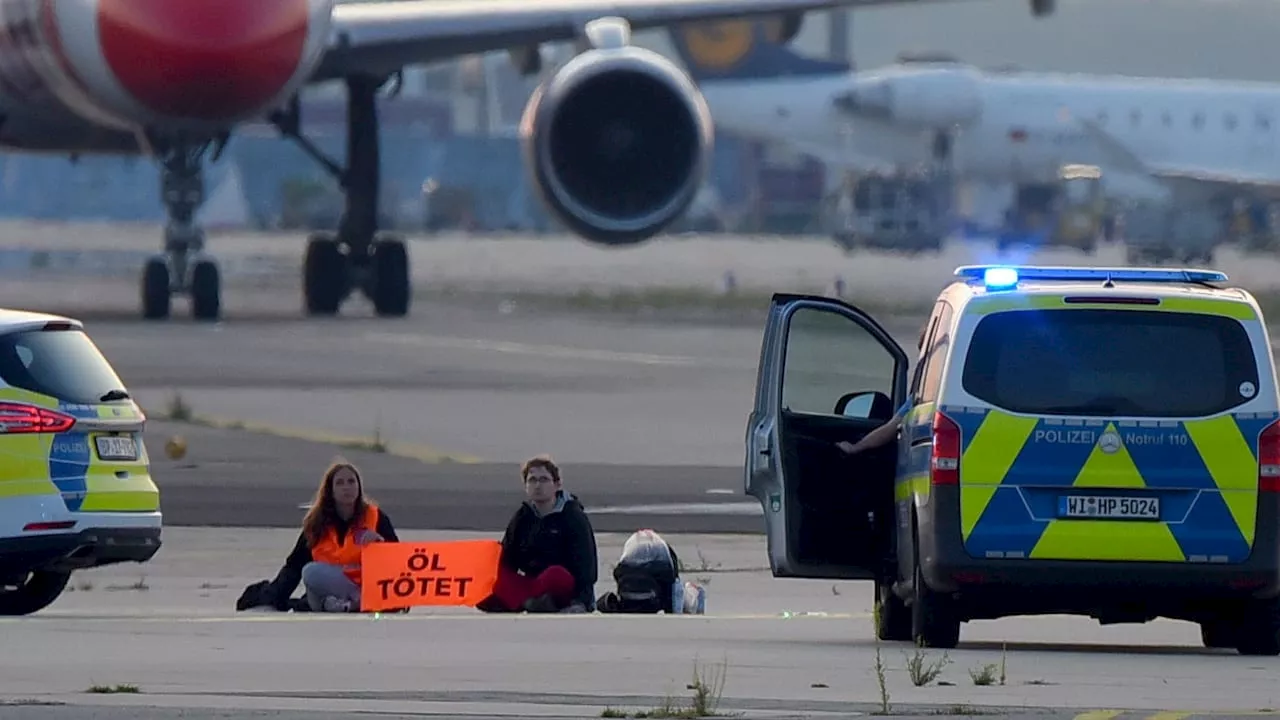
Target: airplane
[[1174, 141], [617, 139]]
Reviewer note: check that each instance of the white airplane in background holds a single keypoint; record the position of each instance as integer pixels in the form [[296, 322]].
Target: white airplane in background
[[1170, 139], [617, 139]]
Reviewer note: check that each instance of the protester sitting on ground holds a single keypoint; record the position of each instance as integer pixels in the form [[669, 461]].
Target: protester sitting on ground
[[326, 558], [549, 558]]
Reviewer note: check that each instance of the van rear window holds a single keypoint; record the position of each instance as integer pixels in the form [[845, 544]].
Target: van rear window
[[1111, 362], [63, 364]]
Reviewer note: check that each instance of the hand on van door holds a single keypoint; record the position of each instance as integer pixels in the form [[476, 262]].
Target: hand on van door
[[847, 447]]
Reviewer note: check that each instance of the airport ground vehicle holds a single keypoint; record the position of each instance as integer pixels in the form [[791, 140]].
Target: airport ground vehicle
[[1082, 208], [899, 213], [1057, 458], [1156, 233], [75, 488], [1069, 213]]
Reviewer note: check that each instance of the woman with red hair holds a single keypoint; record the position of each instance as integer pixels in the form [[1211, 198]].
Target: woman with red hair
[[326, 558]]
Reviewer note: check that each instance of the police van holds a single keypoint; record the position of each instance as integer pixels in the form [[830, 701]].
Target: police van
[[1101, 442], [75, 482]]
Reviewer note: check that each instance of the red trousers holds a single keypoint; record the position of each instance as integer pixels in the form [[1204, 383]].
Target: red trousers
[[512, 589]]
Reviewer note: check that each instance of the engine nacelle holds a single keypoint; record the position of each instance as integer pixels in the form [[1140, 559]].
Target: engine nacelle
[[618, 142]]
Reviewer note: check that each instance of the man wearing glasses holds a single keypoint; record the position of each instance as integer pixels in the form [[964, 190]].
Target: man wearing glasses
[[549, 560]]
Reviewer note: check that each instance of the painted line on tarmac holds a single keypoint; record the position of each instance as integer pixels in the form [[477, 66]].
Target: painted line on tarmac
[[751, 508], [1171, 714], [548, 351], [413, 451], [285, 617]]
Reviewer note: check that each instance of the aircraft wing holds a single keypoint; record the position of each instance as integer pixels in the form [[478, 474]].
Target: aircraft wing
[[381, 37], [1175, 177]]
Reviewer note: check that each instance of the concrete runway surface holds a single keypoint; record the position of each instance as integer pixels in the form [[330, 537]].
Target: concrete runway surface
[[791, 647], [647, 417]]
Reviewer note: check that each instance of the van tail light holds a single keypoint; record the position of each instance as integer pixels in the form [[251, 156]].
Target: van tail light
[[39, 526], [18, 418], [944, 466], [1269, 458]]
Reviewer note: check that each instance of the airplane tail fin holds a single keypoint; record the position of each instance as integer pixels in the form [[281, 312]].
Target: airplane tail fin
[[744, 50]]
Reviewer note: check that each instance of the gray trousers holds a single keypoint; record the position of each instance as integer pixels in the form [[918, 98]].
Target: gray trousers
[[323, 580]]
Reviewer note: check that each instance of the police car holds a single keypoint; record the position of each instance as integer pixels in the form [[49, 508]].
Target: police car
[[1101, 442], [75, 484]]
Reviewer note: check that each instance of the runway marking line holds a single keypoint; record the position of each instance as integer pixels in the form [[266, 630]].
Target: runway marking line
[[548, 351], [339, 617], [1174, 714], [413, 451]]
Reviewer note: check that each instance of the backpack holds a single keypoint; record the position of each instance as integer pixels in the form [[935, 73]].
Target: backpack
[[641, 588]]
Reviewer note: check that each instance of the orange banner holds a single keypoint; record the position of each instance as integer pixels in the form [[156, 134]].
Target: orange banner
[[405, 574]]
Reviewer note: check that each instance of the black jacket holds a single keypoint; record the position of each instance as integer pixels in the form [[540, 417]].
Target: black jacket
[[562, 537], [290, 575]]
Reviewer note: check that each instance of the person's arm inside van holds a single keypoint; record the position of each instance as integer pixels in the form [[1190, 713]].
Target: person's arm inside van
[[880, 436]]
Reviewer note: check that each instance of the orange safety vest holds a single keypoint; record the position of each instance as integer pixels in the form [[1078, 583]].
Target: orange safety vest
[[346, 553]]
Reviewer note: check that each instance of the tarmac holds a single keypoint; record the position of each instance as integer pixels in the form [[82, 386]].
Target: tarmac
[[168, 633], [646, 415]]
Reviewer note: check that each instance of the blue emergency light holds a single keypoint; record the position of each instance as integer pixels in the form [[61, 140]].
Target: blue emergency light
[[1000, 277], [1003, 277]]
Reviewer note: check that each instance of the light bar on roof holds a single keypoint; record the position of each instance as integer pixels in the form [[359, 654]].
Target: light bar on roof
[[1130, 274]]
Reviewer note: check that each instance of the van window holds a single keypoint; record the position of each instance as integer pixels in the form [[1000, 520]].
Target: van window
[[1109, 362], [828, 356], [63, 364]]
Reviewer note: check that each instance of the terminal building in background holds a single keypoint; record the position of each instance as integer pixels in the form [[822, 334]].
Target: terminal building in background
[[451, 157]]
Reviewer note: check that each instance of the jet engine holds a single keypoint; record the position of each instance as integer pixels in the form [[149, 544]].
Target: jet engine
[[618, 142]]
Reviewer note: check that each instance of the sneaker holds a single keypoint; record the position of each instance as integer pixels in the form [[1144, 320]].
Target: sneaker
[[541, 604], [336, 604]]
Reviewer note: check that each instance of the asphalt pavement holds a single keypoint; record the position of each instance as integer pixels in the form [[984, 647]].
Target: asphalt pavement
[[647, 416], [237, 478]]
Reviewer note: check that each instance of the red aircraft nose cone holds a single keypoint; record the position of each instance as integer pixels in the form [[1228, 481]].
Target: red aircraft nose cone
[[203, 59]]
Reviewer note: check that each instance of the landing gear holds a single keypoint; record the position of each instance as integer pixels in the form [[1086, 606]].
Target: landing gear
[[357, 257], [183, 268]]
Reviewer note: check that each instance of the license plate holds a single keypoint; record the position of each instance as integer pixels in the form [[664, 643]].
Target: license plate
[[1109, 507], [116, 447]]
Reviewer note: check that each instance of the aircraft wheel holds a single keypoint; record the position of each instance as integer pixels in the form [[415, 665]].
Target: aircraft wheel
[[155, 289], [324, 275], [391, 281], [206, 291]]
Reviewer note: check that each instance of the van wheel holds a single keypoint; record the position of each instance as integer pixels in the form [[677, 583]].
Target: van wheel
[[1218, 634], [1260, 631], [36, 593], [934, 623], [893, 617]]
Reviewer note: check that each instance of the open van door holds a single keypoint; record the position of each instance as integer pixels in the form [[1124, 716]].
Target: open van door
[[828, 373]]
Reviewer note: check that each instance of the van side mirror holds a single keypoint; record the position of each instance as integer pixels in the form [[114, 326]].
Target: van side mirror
[[866, 405]]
